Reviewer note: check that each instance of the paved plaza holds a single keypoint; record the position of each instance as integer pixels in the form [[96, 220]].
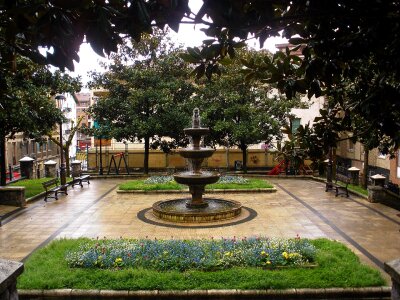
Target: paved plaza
[[299, 207]]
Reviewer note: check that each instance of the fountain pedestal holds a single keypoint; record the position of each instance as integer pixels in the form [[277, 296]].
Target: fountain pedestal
[[197, 201]]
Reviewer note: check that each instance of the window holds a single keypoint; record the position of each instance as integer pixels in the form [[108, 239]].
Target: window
[[350, 145]]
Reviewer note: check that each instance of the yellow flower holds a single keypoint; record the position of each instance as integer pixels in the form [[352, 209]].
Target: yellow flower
[[285, 255], [263, 253], [268, 262]]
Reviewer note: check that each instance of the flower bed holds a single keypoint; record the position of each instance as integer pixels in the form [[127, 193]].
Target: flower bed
[[155, 183], [183, 255]]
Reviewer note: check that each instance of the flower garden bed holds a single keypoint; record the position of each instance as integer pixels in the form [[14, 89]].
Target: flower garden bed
[[185, 255], [167, 183], [76, 264]]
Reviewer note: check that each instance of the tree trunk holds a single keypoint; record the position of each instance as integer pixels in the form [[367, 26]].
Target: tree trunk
[[243, 147], [66, 159], [146, 155], [365, 168], [3, 166]]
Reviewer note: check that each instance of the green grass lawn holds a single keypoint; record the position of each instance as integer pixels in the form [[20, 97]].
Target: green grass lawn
[[252, 183], [33, 187], [336, 266], [358, 189], [142, 185]]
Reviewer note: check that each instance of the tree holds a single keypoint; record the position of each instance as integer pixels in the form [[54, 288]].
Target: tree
[[68, 142], [336, 38], [241, 113], [30, 109], [147, 99]]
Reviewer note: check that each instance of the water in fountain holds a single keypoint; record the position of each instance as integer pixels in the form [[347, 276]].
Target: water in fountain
[[196, 209]]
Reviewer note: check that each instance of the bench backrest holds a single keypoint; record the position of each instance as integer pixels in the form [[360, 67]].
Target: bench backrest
[[342, 178], [50, 182]]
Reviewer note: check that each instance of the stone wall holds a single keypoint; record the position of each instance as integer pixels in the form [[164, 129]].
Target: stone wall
[[9, 271], [384, 196], [12, 195], [221, 158]]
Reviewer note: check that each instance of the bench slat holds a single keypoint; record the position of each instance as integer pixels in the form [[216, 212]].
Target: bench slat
[[52, 187]]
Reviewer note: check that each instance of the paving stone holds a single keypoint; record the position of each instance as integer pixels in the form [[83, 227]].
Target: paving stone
[[299, 207]]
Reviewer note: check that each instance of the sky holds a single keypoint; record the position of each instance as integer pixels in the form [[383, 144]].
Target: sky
[[189, 36]]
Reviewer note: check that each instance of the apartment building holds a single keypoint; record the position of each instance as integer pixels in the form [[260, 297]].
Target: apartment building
[[44, 150], [83, 101]]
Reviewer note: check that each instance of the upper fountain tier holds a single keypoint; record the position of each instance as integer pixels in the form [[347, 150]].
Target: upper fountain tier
[[196, 131]]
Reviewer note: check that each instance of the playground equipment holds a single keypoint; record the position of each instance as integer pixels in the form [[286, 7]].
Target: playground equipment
[[122, 157], [279, 168]]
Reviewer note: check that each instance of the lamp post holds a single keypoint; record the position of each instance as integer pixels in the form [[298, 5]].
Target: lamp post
[[60, 100]]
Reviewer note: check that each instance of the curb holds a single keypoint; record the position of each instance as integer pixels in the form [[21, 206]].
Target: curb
[[271, 190], [328, 293]]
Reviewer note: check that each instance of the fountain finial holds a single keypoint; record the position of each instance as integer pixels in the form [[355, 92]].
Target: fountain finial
[[196, 118]]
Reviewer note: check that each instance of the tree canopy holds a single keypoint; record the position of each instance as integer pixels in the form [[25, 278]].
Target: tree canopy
[[29, 108], [240, 112], [147, 98], [339, 39]]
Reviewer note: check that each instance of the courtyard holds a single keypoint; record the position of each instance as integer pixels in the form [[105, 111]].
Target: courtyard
[[299, 207]]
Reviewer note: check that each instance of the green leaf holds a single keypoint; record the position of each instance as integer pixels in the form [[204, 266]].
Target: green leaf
[[297, 41], [239, 45], [200, 70], [195, 52], [209, 42], [189, 58]]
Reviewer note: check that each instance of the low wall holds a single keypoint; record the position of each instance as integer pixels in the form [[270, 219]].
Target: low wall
[[12, 195], [9, 271], [384, 196], [393, 269], [221, 158]]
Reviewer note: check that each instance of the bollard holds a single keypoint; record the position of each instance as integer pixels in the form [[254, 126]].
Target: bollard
[[26, 164], [50, 168]]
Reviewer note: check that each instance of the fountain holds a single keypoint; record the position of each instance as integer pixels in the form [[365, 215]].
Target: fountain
[[196, 209]]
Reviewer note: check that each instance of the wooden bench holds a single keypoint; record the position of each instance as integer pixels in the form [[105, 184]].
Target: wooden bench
[[53, 188], [80, 179], [340, 185]]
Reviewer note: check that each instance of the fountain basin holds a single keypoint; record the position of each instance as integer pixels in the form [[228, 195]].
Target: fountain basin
[[199, 131], [191, 178], [196, 153], [177, 211]]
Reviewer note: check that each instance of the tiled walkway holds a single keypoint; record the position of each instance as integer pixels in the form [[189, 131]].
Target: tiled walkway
[[298, 207]]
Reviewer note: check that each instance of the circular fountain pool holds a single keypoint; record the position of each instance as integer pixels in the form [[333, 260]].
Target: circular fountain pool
[[177, 210]]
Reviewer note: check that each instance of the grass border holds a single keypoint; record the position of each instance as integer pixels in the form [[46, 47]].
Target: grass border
[[337, 267]]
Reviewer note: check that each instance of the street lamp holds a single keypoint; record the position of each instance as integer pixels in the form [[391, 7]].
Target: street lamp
[[60, 100]]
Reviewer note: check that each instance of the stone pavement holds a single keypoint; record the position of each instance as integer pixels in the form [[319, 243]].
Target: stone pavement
[[299, 207]]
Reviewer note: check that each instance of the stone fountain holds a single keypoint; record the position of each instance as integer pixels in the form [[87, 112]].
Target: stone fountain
[[196, 209]]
